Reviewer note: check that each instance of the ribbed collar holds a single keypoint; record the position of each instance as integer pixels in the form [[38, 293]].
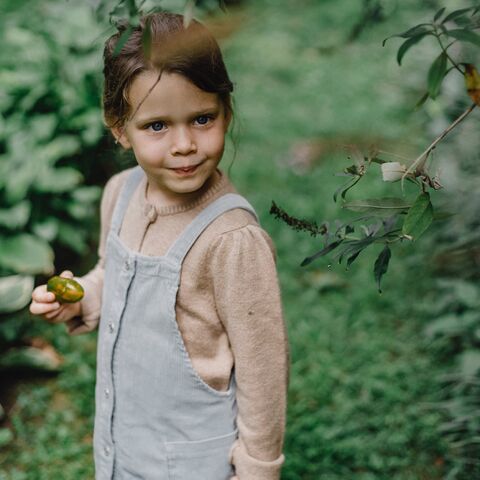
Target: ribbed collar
[[152, 210]]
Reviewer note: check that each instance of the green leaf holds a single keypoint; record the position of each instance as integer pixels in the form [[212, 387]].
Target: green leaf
[[15, 217], [15, 292], [446, 325], [345, 188], [87, 194], [61, 147], [421, 101], [352, 248], [455, 14], [46, 229], [57, 180], [378, 206], [381, 265], [439, 14], [132, 8], [6, 436], [411, 32], [322, 252], [465, 36], [122, 40], [78, 211], [436, 74], [419, 217], [469, 363], [72, 238], [467, 294], [147, 39], [352, 258], [408, 44], [25, 253], [19, 182]]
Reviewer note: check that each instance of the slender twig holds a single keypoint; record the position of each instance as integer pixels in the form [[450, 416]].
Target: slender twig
[[423, 157], [393, 154]]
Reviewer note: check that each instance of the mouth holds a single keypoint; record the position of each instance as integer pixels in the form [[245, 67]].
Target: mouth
[[183, 171]]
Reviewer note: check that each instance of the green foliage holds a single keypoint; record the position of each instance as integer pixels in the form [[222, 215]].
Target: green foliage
[[25, 253], [15, 291], [467, 18], [418, 213], [50, 123], [50, 119], [454, 331]]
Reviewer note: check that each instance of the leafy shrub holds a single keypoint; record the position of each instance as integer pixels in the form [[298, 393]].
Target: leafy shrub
[[50, 125], [50, 131]]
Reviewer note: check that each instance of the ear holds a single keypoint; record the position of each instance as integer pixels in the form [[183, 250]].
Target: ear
[[121, 137]]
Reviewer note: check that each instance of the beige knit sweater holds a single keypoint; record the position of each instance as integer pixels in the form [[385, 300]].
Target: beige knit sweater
[[228, 310]]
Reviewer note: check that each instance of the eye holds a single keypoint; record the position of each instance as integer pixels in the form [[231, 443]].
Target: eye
[[203, 119], [156, 126]]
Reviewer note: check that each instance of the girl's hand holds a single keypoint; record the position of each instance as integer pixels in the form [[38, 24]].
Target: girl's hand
[[46, 306]]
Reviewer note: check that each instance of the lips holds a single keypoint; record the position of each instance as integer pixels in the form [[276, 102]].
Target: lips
[[186, 170]]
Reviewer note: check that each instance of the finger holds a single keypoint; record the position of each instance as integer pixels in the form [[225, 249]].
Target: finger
[[66, 274], [41, 308], [54, 315], [41, 295], [75, 326]]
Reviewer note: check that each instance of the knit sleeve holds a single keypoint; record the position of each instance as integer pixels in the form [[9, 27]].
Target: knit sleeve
[[92, 282], [248, 301]]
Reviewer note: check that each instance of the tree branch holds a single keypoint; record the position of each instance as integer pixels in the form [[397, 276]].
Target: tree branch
[[425, 154]]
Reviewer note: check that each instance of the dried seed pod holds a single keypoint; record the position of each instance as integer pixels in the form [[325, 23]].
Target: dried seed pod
[[66, 290]]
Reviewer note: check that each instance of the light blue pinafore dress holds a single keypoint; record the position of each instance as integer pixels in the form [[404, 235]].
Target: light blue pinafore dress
[[155, 418]]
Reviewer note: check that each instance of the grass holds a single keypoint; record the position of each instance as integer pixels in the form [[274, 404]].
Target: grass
[[362, 378]]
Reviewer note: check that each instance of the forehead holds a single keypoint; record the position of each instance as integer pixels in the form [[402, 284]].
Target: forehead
[[173, 95]]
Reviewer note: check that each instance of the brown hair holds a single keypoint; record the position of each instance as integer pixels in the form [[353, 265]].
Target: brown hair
[[192, 52]]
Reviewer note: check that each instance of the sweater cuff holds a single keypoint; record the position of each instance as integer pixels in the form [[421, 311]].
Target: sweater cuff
[[250, 468]]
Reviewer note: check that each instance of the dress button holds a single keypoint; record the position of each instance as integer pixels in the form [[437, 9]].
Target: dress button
[[152, 214], [111, 327], [106, 451], [127, 265], [107, 393]]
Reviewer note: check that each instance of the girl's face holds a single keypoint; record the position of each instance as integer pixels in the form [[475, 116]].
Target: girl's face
[[177, 134]]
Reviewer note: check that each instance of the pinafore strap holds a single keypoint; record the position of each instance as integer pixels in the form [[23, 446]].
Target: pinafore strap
[[131, 183], [188, 237]]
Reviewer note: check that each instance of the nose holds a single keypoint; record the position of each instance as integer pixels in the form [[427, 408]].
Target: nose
[[183, 142]]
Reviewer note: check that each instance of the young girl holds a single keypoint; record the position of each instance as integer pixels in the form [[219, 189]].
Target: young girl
[[192, 352]]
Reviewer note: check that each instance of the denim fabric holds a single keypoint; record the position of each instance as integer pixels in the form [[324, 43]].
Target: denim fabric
[[155, 417]]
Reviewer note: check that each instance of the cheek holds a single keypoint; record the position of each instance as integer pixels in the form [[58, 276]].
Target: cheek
[[215, 143], [148, 150]]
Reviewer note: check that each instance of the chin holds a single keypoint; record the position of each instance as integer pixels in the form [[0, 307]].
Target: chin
[[189, 186]]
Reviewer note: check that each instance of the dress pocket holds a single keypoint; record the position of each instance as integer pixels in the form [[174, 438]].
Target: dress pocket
[[201, 459]]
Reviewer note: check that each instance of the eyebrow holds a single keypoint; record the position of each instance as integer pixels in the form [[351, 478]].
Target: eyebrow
[[211, 109]]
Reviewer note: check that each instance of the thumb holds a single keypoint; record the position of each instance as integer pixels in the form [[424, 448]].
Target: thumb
[[66, 274]]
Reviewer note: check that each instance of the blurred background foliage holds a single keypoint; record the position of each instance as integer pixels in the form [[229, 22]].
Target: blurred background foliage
[[382, 386]]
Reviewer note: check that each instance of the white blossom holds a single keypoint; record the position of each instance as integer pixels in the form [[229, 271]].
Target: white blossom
[[393, 171]]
